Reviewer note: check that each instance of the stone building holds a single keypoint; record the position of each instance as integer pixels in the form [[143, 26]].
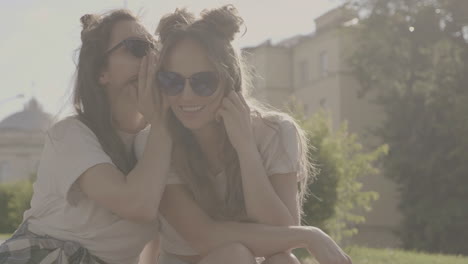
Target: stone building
[[21, 142]]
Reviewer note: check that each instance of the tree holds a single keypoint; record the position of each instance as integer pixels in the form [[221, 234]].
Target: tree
[[337, 200], [15, 198], [414, 54]]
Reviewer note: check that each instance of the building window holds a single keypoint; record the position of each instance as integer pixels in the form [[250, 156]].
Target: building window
[[304, 72], [324, 64]]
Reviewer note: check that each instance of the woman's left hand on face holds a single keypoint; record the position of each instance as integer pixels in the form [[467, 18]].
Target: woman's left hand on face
[[235, 113]]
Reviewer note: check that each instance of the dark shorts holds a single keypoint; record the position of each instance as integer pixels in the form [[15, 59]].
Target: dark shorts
[[26, 247]]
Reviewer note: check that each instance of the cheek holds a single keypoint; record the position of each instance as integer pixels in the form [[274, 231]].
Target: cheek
[[217, 99], [121, 69], [172, 101]]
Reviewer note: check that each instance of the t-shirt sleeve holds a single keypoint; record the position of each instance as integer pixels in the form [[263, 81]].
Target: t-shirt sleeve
[[281, 153], [70, 149], [140, 142]]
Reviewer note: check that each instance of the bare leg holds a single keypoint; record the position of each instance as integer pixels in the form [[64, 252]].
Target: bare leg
[[235, 253], [282, 258], [150, 253]]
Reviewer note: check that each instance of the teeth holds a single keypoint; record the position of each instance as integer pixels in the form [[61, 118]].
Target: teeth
[[191, 108]]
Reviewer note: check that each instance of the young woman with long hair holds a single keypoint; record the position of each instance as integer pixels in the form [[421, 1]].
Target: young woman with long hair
[[239, 172]]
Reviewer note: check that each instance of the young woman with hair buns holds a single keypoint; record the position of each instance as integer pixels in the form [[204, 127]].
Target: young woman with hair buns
[[239, 171], [92, 202]]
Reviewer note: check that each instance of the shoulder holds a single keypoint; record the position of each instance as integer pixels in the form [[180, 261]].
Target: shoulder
[[71, 133], [279, 142], [274, 127], [67, 127]]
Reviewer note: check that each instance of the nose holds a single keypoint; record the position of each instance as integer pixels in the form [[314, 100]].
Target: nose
[[187, 94]]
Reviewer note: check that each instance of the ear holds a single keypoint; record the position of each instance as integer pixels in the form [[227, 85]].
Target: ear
[[104, 78]]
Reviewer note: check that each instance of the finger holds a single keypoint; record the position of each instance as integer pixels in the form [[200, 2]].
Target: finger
[[151, 75], [220, 113], [142, 76], [150, 72], [241, 97], [229, 105], [240, 101], [226, 117], [236, 101]]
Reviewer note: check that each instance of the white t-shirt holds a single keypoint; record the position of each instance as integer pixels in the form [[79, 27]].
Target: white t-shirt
[[279, 146], [59, 208]]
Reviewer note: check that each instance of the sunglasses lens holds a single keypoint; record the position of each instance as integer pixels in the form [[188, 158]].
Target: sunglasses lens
[[204, 83], [139, 48], [170, 82]]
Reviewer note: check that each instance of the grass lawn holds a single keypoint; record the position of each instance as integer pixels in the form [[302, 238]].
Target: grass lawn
[[362, 255], [4, 236]]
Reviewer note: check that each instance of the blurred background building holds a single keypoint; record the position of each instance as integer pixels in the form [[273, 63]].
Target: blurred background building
[[21, 142]]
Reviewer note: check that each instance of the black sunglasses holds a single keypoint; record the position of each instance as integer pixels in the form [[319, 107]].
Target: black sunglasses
[[202, 83], [137, 46]]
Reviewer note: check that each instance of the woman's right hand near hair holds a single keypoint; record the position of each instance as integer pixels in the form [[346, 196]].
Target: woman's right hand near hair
[[324, 249], [150, 102]]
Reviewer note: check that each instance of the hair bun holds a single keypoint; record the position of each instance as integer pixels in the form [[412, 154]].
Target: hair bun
[[87, 20], [169, 23], [224, 20]]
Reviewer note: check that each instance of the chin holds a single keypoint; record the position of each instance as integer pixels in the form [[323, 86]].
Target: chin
[[192, 125], [195, 124]]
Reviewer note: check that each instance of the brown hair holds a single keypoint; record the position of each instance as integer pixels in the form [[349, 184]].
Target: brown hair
[[89, 98], [214, 31]]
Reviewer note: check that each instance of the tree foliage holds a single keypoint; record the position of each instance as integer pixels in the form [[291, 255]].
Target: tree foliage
[[337, 200], [15, 198], [414, 54]]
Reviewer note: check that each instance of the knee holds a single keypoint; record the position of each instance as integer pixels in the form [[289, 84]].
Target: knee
[[240, 252], [282, 258], [233, 253]]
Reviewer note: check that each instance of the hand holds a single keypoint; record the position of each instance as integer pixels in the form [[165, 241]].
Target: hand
[[325, 250], [235, 114], [150, 102]]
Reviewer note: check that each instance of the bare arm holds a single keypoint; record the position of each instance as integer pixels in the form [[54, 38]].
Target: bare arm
[[137, 196], [150, 253], [269, 200], [262, 201], [204, 234]]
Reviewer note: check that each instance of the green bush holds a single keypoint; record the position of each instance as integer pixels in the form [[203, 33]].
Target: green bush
[[337, 201], [15, 198]]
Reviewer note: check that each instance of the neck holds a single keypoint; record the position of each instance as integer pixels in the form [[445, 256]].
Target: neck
[[210, 139]]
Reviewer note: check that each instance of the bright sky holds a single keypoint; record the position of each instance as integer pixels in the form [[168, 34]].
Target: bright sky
[[38, 38]]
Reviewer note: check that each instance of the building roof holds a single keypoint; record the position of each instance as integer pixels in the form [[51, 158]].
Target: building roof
[[340, 15], [32, 118]]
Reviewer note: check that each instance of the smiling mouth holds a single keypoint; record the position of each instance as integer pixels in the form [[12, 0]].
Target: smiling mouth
[[191, 109]]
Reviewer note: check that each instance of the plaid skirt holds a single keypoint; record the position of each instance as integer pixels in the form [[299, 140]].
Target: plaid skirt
[[26, 247]]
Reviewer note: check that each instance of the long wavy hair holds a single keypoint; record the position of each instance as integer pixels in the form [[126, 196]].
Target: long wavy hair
[[214, 31], [89, 97]]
